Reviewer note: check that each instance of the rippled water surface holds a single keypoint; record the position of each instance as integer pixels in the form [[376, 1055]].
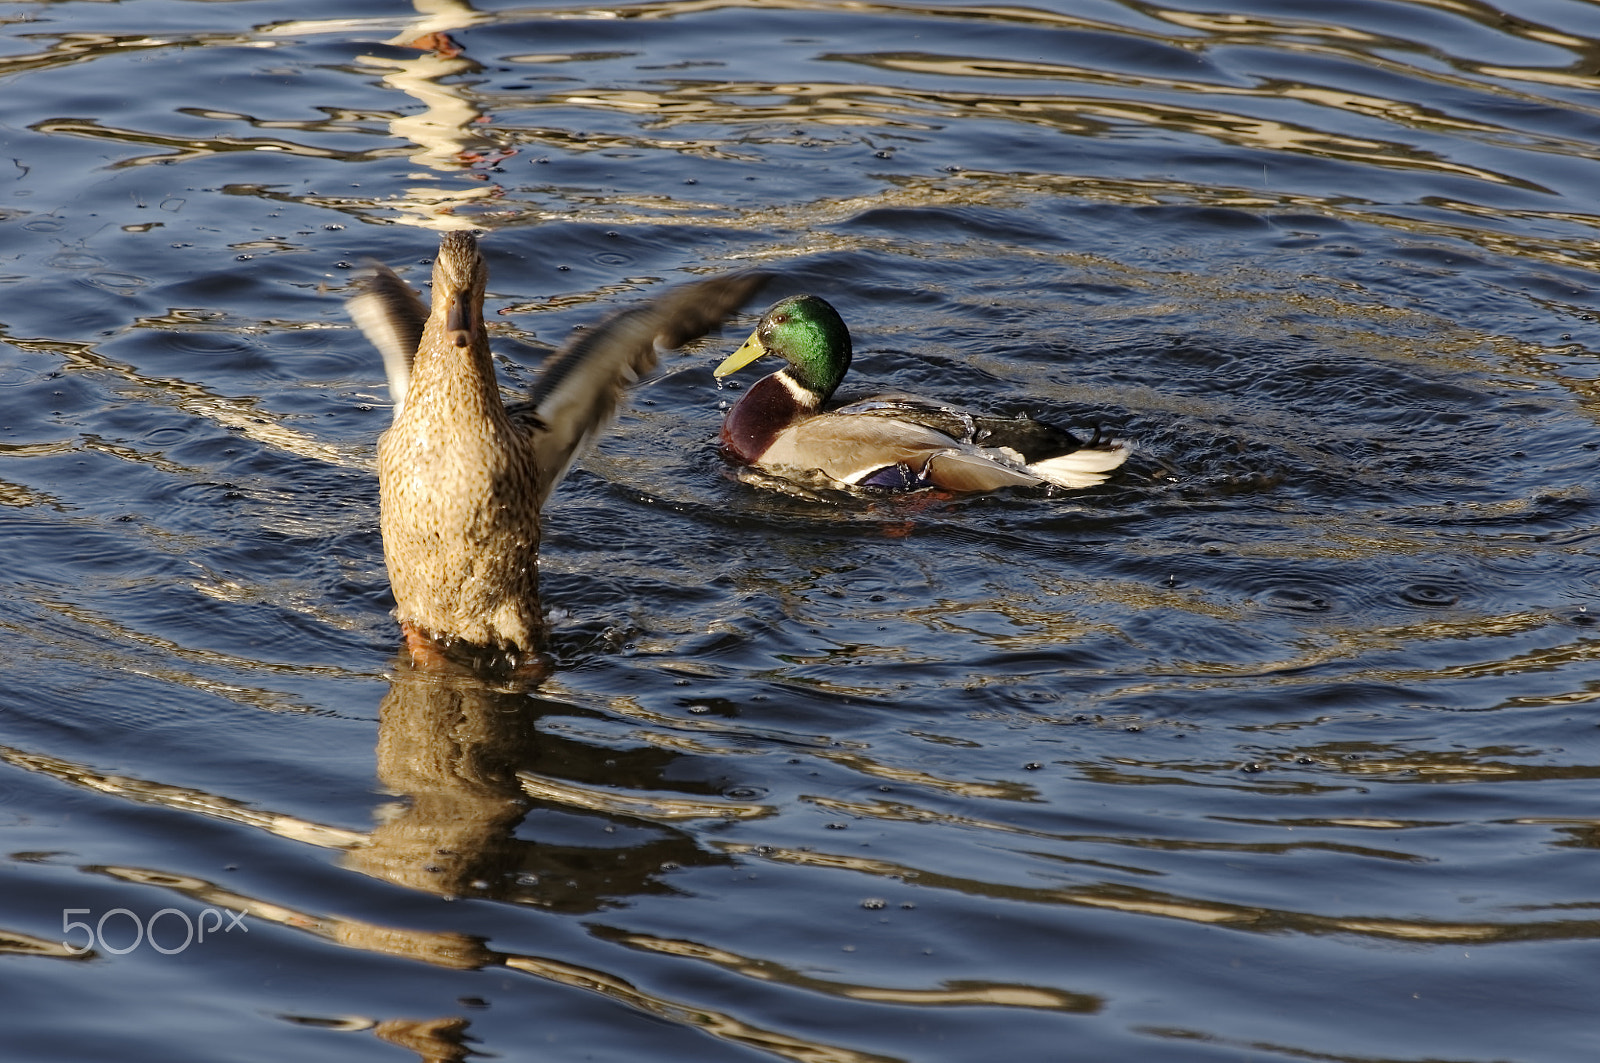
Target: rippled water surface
[[1280, 746]]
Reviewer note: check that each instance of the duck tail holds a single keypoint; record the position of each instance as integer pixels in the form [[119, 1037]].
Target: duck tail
[[1084, 467]]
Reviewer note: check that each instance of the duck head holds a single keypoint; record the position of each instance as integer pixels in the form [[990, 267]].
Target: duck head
[[808, 334], [459, 280]]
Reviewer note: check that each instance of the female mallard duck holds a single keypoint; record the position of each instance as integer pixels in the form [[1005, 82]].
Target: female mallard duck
[[897, 442], [462, 476]]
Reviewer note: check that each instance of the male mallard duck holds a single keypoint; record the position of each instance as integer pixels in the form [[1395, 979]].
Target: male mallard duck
[[462, 476], [897, 442]]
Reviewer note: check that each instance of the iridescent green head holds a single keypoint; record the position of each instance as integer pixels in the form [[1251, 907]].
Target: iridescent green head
[[807, 333]]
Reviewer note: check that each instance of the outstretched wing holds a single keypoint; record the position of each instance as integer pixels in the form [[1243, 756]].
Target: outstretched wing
[[391, 316], [581, 385]]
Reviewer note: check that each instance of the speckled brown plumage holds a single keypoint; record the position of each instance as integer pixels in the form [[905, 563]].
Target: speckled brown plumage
[[462, 476]]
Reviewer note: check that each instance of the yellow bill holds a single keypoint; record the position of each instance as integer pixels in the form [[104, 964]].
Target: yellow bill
[[749, 352]]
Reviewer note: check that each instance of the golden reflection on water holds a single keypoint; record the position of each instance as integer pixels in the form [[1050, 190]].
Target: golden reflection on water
[[460, 761], [16, 943], [92, 634], [660, 807], [959, 993], [480, 805], [452, 748], [449, 746], [246, 415], [716, 1023], [1124, 898], [75, 48], [183, 149], [864, 765], [182, 798], [449, 131], [866, 105], [905, 812], [443, 128], [21, 497]]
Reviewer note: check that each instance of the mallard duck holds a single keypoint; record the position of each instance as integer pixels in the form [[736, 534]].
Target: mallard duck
[[893, 442], [462, 476]]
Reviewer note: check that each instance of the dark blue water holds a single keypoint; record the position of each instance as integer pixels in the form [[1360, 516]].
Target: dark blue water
[[1279, 746]]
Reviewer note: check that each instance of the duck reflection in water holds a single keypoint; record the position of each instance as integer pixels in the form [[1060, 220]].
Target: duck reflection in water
[[463, 477], [468, 763]]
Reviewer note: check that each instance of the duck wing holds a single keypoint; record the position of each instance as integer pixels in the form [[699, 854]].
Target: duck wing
[[854, 448], [391, 316], [581, 385], [874, 448], [881, 451], [1032, 440]]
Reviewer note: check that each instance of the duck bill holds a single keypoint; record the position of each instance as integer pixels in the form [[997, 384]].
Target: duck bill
[[749, 352], [458, 321]]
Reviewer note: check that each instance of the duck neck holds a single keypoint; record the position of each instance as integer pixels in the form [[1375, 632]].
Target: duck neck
[[771, 404], [454, 384]]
